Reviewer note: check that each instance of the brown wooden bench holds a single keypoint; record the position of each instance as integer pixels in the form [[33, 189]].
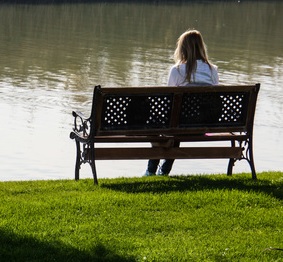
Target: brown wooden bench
[[164, 115]]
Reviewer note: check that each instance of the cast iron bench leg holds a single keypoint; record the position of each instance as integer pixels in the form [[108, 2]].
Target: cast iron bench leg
[[251, 158], [231, 162], [78, 161], [92, 164], [230, 166]]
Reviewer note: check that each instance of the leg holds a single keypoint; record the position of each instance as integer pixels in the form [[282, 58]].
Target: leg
[[151, 167], [230, 166], [231, 162], [251, 158], [78, 161], [166, 167], [92, 164], [94, 172], [152, 164], [167, 163]]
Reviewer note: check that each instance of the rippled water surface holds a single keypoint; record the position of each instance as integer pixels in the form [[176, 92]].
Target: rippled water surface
[[53, 55]]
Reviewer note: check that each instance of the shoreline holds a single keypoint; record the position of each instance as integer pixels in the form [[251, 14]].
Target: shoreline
[[261, 173]]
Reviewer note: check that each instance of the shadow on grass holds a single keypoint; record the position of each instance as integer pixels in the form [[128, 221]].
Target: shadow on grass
[[15, 248], [197, 183]]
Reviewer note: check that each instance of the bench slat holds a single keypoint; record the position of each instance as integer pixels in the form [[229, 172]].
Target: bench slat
[[174, 153], [182, 138]]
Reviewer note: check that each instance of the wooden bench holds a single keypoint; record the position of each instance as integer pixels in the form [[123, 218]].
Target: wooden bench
[[163, 115]]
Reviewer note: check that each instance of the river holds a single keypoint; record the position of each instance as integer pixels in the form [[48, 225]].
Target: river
[[53, 55]]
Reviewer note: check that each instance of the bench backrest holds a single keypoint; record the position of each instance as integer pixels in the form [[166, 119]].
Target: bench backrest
[[173, 110]]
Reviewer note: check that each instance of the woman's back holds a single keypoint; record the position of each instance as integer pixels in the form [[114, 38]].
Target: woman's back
[[204, 74]]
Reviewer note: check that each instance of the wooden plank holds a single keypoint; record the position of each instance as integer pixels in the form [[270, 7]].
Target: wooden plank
[[180, 138], [174, 89], [161, 153], [173, 131]]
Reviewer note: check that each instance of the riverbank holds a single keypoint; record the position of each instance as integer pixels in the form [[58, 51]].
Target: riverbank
[[182, 218]]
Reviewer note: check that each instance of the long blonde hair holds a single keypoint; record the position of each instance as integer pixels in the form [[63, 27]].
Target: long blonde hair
[[190, 48]]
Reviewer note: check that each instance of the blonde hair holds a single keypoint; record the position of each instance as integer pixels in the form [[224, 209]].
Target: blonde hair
[[190, 48]]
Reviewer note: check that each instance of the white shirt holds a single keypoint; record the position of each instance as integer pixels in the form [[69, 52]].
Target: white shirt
[[203, 75]]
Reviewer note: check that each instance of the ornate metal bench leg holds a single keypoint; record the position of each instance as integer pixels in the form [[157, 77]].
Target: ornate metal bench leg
[[253, 169], [251, 159], [94, 173], [230, 167], [78, 161]]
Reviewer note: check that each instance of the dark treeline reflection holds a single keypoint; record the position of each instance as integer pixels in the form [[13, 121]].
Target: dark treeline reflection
[[132, 44]]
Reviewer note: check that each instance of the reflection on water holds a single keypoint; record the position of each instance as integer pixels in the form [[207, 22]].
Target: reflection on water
[[52, 55]]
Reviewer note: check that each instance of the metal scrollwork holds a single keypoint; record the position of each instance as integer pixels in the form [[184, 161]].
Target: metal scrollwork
[[81, 124]]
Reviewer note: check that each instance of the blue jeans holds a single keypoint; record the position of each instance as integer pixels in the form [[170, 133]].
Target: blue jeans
[[165, 168], [166, 165]]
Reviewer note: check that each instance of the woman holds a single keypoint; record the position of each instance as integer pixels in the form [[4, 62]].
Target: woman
[[192, 67]]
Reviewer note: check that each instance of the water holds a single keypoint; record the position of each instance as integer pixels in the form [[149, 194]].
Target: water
[[53, 55]]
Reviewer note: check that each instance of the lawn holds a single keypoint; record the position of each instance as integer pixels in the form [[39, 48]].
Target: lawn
[[180, 218]]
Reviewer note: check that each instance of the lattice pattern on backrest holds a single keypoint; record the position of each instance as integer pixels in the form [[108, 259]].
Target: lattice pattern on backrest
[[214, 109], [121, 112]]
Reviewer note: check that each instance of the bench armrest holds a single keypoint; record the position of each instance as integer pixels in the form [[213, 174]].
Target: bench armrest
[[81, 126]]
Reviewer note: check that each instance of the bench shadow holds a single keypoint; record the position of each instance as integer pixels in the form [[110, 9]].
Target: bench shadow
[[197, 183], [16, 248]]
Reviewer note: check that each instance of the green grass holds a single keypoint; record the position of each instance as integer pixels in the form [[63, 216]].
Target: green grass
[[182, 218]]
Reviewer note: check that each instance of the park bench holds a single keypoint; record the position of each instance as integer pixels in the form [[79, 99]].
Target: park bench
[[162, 116]]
